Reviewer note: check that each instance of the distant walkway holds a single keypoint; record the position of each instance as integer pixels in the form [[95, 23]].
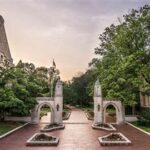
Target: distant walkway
[[76, 136], [77, 117]]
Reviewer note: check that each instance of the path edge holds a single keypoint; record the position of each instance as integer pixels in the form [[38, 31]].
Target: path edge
[[138, 128], [13, 130]]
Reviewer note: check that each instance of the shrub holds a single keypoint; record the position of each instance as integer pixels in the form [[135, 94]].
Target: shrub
[[144, 119]]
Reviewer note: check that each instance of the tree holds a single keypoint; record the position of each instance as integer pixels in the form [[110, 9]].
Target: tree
[[76, 92], [19, 87], [124, 64]]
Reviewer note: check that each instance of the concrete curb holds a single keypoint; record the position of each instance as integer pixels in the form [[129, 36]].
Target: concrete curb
[[138, 128], [12, 131]]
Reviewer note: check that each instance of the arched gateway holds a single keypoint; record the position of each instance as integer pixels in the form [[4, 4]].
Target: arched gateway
[[100, 106], [55, 104]]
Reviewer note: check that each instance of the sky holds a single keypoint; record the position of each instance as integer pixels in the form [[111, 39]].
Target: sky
[[67, 31]]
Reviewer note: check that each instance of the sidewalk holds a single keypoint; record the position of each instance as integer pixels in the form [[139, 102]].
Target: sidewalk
[[77, 117]]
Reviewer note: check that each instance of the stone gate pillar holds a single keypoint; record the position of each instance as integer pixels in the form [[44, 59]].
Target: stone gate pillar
[[58, 102], [34, 116], [98, 103]]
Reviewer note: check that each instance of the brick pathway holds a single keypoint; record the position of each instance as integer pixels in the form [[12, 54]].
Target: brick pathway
[[78, 135], [77, 117]]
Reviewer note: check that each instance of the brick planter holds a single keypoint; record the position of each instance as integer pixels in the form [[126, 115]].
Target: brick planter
[[52, 127], [48, 141], [120, 140], [109, 128]]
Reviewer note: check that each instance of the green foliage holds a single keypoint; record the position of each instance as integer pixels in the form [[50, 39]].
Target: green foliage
[[77, 91], [142, 126], [19, 86], [8, 126], [124, 64], [44, 111], [144, 119], [69, 95]]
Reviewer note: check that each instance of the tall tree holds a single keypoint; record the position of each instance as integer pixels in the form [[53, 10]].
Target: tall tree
[[124, 51], [19, 87]]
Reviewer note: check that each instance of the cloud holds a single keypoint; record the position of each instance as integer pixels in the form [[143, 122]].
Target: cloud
[[67, 30]]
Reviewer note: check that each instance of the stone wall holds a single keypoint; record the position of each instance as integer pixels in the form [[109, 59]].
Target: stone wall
[[131, 118], [22, 119]]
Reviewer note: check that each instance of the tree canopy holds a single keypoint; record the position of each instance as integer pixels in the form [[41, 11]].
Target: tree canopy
[[19, 86], [124, 64]]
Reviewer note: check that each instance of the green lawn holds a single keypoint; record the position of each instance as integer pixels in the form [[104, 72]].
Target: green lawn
[[142, 127], [8, 126]]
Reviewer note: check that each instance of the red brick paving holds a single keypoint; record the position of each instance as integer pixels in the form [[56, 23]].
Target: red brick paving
[[76, 137]]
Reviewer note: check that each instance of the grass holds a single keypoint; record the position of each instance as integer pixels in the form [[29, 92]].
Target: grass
[[90, 112], [147, 129], [66, 110], [108, 110], [8, 126], [88, 109], [111, 110], [44, 111]]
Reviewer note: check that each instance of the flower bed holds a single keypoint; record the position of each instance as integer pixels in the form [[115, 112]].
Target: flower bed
[[42, 139], [114, 139], [105, 126], [66, 114], [51, 127]]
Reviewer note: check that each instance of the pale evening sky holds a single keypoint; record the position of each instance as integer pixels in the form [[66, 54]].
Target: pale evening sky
[[66, 30]]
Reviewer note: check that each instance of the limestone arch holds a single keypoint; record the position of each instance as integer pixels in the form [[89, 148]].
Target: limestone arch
[[116, 111], [118, 107], [38, 109], [100, 106]]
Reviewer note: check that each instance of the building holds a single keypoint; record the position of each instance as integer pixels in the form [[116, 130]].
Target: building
[[5, 55]]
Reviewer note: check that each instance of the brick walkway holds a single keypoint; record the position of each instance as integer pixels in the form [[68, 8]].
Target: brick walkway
[[78, 135], [77, 117]]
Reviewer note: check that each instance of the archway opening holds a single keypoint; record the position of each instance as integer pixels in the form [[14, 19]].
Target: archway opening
[[110, 114], [45, 114]]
